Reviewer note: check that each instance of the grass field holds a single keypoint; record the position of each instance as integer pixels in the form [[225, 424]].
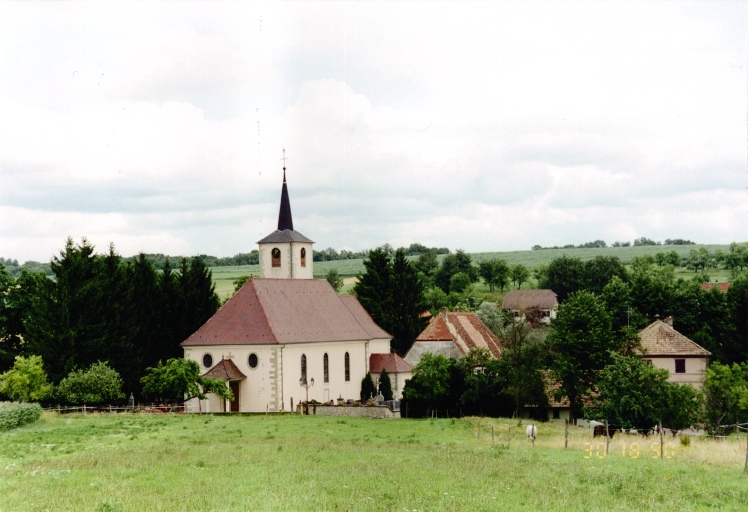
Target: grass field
[[192, 462], [223, 277]]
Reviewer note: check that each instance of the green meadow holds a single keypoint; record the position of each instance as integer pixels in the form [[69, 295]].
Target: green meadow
[[132, 462]]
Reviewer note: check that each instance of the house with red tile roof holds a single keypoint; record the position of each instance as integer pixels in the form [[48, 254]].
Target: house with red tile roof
[[453, 334], [286, 334], [664, 347]]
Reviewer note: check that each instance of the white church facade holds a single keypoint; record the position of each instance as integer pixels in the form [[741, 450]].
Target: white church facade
[[286, 336]]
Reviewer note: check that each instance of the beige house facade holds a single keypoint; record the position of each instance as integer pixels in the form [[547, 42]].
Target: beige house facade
[[666, 348], [285, 337]]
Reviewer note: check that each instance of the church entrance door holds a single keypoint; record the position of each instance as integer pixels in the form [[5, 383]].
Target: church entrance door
[[234, 386]]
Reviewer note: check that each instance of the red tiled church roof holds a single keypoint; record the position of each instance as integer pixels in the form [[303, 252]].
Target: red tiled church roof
[[271, 311]]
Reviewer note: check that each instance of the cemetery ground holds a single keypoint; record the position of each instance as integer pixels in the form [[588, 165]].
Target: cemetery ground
[[184, 462]]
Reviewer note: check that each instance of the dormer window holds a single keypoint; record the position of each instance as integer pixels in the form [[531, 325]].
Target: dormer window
[[303, 257], [276, 255]]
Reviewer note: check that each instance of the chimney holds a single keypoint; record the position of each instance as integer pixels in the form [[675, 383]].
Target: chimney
[[669, 321]]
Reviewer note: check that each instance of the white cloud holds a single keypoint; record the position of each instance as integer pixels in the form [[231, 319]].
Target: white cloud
[[484, 126]]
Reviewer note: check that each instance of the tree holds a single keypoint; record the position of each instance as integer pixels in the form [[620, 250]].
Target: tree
[[736, 349], [179, 380], [684, 407], [374, 288], [632, 393], [427, 264], [430, 386], [580, 343], [334, 279], [26, 381], [564, 276], [495, 272], [600, 270], [385, 385], [392, 292], [460, 261], [96, 385], [459, 283], [368, 389], [523, 353], [725, 395], [519, 274]]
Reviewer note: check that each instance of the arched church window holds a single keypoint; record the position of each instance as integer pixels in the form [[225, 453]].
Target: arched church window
[[347, 367], [303, 368], [303, 259], [326, 365], [276, 255], [207, 360]]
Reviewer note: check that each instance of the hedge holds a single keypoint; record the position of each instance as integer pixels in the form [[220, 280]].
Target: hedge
[[15, 414]]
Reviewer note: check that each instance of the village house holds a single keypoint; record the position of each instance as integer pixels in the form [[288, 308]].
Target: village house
[[663, 347], [666, 348], [537, 306], [286, 336], [453, 335]]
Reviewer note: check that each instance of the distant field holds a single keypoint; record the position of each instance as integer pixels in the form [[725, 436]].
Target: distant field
[[224, 276], [180, 463]]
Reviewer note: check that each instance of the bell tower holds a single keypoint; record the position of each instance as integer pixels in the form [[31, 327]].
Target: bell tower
[[285, 253]]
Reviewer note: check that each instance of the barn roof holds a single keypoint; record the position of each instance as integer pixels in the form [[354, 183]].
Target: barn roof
[[465, 330], [392, 362], [660, 339], [280, 311], [225, 370], [529, 299]]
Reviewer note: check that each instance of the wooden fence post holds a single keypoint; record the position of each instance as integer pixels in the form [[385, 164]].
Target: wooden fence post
[[746, 449], [607, 437], [661, 441], [566, 433]]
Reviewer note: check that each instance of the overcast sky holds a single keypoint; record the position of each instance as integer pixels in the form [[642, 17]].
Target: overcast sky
[[160, 126]]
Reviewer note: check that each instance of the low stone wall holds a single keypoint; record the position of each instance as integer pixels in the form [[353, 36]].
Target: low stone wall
[[376, 411]]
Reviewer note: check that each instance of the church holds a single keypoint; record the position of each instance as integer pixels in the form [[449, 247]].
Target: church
[[286, 337]]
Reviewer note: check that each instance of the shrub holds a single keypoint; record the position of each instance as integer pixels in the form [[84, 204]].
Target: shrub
[[96, 385], [13, 414]]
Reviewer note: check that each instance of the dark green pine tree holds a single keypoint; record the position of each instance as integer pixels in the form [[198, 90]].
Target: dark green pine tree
[[374, 288], [385, 385], [368, 389], [122, 323], [408, 303], [199, 293], [74, 333], [171, 316]]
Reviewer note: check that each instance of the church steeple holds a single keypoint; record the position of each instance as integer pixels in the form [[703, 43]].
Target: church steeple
[[285, 253], [284, 216]]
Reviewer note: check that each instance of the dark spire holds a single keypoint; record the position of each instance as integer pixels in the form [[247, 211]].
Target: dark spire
[[284, 216]]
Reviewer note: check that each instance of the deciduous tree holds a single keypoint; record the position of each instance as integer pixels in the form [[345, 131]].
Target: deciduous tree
[[580, 343], [26, 381]]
